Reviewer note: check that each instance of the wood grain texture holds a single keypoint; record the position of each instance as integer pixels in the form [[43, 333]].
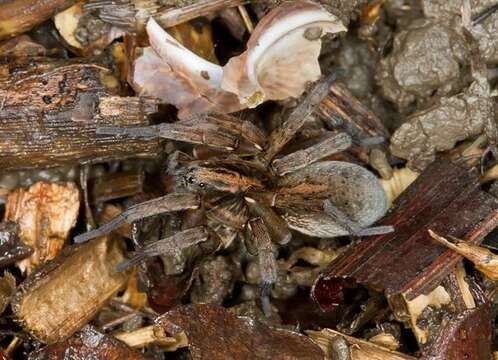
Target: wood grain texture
[[445, 198], [49, 111]]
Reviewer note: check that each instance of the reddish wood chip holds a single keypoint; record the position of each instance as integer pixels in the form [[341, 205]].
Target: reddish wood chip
[[407, 262], [215, 333], [466, 337], [88, 344]]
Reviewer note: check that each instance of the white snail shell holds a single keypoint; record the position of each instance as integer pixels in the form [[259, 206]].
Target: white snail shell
[[169, 71], [280, 60], [282, 54]]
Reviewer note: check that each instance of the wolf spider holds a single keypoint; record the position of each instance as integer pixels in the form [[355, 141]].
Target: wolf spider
[[250, 192]]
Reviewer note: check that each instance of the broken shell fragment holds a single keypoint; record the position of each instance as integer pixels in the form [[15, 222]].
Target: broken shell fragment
[[169, 71], [282, 54], [280, 60]]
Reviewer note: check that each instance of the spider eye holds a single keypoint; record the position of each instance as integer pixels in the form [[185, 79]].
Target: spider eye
[[201, 185], [190, 179]]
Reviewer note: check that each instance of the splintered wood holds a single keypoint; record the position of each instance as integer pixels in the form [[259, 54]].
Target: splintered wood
[[343, 111], [115, 186], [45, 212], [417, 274], [17, 17], [199, 8], [346, 112], [49, 111], [66, 293], [468, 336]]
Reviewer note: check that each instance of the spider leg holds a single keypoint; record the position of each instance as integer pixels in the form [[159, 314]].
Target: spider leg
[[172, 244], [243, 129], [276, 226], [350, 226], [266, 258], [283, 134], [341, 218], [202, 134], [146, 132], [376, 230], [230, 211], [372, 140], [167, 203], [265, 290], [302, 158], [484, 14]]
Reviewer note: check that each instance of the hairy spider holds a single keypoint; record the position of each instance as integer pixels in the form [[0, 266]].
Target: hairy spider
[[249, 191]]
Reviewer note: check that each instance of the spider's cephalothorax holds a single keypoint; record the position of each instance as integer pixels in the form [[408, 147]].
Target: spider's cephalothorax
[[204, 178], [251, 188]]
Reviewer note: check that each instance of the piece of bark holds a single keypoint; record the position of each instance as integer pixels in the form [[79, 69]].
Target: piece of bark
[[177, 16], [18, 16], [89, 343], [134, 15], [45, 212], [301, 310], [408, 265], [12, 248], [21, 46], [84, 174], [215, 333], [483, 259], [167, 291], [62, 296], [468, 336], [426, 313], [347, 113], [357, 349], [3, 193], [116, 186], [50, 110]]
